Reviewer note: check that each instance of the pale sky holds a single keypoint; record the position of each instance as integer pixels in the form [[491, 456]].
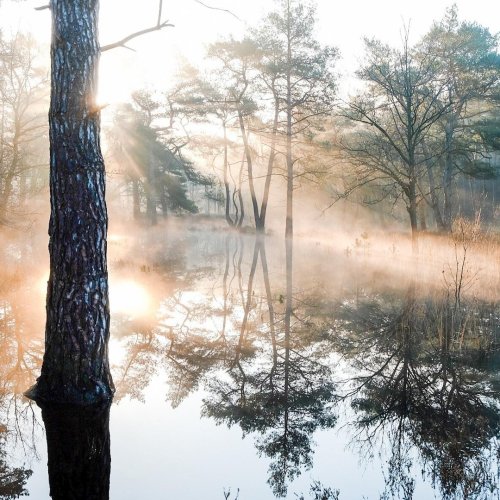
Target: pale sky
[[156, 56]]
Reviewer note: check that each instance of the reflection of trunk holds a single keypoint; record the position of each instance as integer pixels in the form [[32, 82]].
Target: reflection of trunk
[[79, 458], [288, 318], [225, 291], [390, 387], [237, 267], [289, 300], [270, 306], [22, 373], [407, 336], [75, 366], [248, 302]]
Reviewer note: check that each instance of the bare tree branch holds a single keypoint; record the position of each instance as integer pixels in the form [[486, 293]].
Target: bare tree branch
[[160, 7], [121, 43], [217, 8], [159, 25]]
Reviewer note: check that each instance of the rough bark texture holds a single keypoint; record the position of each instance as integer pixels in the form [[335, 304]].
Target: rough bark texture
[[78, 446], [75, 365]]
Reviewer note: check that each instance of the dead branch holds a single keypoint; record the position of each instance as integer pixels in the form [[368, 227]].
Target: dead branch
[[158, 26], [217, 8]]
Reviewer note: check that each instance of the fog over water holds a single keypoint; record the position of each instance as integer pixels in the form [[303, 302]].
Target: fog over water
[[211, 382], [296, 207]]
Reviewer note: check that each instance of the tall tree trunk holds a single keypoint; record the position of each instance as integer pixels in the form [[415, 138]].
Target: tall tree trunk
[[2, 140], [6, 194], [270, 165], [240, 195], [136, 199], [229, 220], [75, 365], [250, 172], [164, 200], [23, 187], [448, 177], [421, 216], [289, 184], [412, 211], [151, 193], [10, 173], [434, 199], [289, 110]]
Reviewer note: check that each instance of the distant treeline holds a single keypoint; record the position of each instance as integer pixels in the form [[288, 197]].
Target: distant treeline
[[266, 114]]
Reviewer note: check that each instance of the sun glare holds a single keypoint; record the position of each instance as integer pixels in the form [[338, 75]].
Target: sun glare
[[129, 298]]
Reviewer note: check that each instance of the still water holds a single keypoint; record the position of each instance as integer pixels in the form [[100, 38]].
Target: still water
[[246, 368]]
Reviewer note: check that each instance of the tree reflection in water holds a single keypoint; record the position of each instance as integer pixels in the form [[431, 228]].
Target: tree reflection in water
[[261, 364], [267, 355], [422, 390], [284, 392], [78, 446], [12, 479], [20, 360]]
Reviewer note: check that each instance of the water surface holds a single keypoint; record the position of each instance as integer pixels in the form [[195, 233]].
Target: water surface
[[246, 367]]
